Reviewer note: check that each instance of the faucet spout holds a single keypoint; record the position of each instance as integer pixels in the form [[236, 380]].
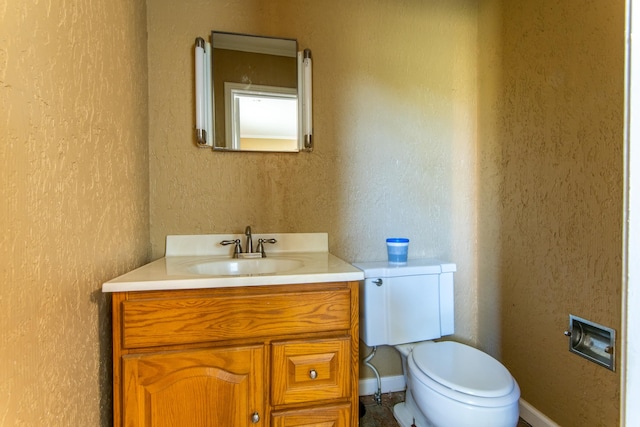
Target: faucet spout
[[249, 246]]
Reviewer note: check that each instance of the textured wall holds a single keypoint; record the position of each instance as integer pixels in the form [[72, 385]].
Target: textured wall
[[395, 117], [73, 199], [394, 120], [551, 138]]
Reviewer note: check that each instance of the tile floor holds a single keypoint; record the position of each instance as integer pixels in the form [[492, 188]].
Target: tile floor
[[382, 415]]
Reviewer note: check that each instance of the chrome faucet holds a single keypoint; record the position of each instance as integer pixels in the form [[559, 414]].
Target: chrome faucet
[[249, 245], [248, 253]]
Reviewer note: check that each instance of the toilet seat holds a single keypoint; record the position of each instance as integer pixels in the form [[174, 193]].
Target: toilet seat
[[463, 373]]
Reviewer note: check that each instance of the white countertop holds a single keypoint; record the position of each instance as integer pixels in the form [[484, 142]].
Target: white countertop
[[175, 271]]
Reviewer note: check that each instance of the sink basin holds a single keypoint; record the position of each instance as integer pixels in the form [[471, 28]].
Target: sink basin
[[239, 267]]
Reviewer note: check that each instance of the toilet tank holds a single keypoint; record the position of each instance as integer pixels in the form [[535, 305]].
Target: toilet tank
[[408, 303]]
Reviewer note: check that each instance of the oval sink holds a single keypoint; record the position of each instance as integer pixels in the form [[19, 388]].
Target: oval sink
[[239, 267]]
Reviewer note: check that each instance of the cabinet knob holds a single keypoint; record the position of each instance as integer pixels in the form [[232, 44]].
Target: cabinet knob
[[378, 282], [313, 374], [255, 418]]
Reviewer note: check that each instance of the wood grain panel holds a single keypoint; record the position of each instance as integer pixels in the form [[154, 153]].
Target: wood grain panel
[[170, 321], [332, 416], [293, 361], [201, 388]]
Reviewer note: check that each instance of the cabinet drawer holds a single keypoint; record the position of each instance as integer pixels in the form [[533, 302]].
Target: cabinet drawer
[[307, 371], [329, 416], [174, 321]]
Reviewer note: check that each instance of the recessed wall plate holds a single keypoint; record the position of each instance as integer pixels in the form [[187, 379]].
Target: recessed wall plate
[[592, 341]]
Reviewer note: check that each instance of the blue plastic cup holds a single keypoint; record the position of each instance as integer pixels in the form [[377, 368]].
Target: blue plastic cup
[[397, 250]]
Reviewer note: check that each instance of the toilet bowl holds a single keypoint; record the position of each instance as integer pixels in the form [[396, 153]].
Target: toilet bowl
[[448, 384], [452, 384]]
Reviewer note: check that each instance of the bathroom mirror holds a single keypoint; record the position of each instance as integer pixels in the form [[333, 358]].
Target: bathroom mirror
[[256, 96]]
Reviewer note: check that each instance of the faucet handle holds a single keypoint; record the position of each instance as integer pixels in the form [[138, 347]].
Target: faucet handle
[[261, 243], [238, 249]]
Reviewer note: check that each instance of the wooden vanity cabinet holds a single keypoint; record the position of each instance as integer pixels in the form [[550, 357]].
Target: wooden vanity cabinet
[[280, 356]]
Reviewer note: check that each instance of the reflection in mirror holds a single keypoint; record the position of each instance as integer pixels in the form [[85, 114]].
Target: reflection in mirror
[[262, 118], [255, 93]]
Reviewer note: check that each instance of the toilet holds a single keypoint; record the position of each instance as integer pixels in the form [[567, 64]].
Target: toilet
[[449, 384]]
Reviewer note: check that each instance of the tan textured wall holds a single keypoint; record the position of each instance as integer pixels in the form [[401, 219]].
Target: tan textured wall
[[394, 119], [395, 96], [73, 200], [491, 304], [551, 171]]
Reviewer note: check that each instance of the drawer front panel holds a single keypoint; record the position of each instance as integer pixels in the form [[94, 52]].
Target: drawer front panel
[[307, 371], [174, 321], [331, 416]]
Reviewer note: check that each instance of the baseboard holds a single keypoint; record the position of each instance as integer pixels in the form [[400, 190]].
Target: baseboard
[[388, 384], [533, 416]]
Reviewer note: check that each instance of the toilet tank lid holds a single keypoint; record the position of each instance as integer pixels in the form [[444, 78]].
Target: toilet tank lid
[[413, 267]]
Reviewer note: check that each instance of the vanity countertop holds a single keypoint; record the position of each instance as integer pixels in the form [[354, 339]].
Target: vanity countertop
[[177, 270]]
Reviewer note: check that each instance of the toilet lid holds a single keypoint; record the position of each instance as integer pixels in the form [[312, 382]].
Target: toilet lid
[[463, 368]]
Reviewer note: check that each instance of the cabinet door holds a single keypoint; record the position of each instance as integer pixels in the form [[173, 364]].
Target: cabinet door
[[331, 416], [195, 388]]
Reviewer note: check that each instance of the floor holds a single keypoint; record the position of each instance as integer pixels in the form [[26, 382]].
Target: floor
[[382, 415]]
